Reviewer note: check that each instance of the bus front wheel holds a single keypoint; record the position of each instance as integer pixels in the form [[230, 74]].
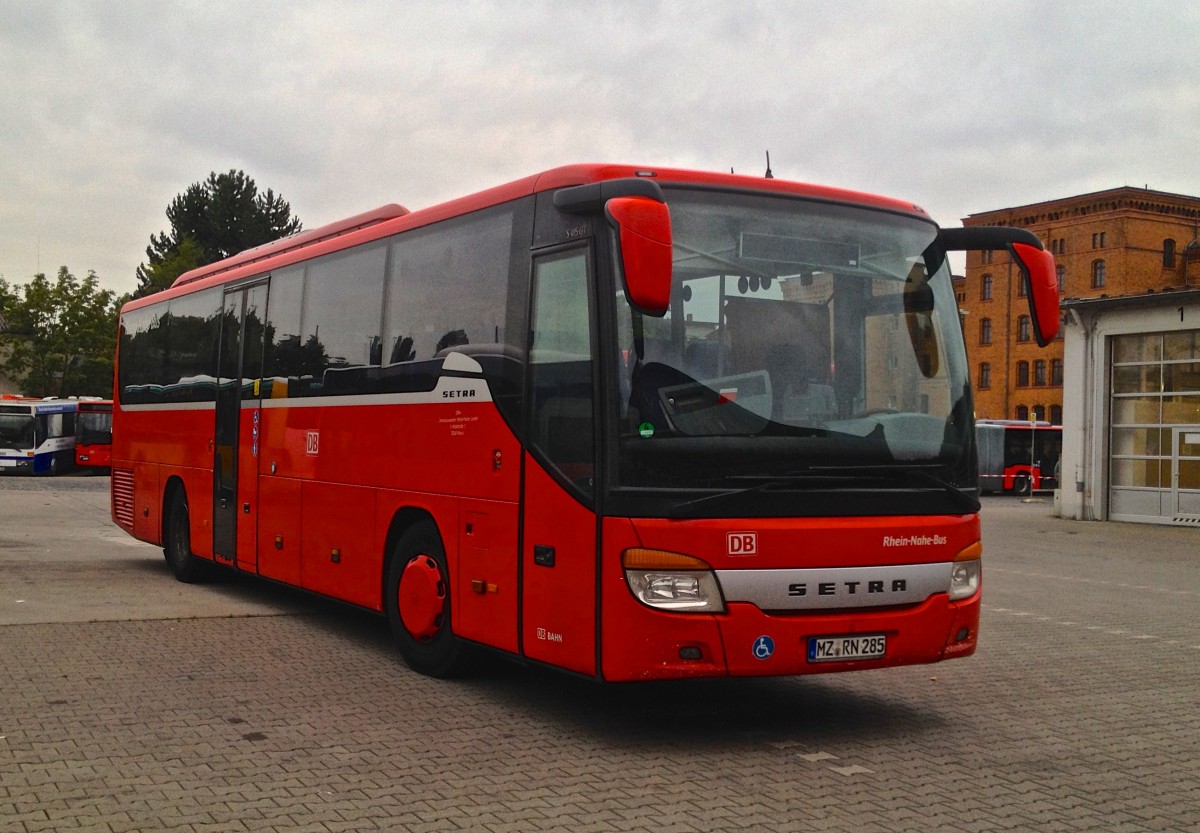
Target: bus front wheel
[[1022, 484], [178, 547], [418, 603]]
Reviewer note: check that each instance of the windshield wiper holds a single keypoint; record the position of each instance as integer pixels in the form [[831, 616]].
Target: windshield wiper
[[767, 483], [921, 473], [835, 475]]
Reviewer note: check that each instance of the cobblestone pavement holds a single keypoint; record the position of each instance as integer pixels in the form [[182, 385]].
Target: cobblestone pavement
[[243, 706]]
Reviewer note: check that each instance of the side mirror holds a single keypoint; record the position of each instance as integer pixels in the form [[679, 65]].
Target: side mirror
[[643, 227], [1036, 264], [1041, 283]]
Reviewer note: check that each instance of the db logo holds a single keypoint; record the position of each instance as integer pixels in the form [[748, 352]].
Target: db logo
[[312, 443], [743, 543]]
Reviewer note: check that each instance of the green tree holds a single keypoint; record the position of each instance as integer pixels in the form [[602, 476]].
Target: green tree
[[59, 336], [212, 220], [158, 276]]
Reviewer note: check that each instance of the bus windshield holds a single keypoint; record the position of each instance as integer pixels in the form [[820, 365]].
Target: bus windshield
[[16, 431], [94, 427], [803, 340]]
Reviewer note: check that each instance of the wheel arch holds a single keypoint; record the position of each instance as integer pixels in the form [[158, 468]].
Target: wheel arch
[[174, 484]]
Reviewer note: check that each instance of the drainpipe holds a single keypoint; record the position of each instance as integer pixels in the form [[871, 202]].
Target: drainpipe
[[1084, 467], [1009, 385]]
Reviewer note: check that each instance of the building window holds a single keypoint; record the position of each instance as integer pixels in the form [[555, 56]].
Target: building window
[[1098, 274], [1061, 273], [1038, 413], [1168, 254], [985, 331], [1056, 371], [1023, 328], [985, 257], [985, 292], [985, 375], [1100, 240], [1022, 412], [1056, 414], [1022, 374], [1039, 372], [1022, 289]]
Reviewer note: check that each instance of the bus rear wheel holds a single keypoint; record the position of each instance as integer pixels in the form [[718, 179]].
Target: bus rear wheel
[[418, 604], [178, 547], [1022, 484]]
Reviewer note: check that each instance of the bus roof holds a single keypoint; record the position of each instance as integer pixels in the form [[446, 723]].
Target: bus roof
[[391, 219], [38, 406]]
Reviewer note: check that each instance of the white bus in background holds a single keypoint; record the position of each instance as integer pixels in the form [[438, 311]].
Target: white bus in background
[[37, 436]]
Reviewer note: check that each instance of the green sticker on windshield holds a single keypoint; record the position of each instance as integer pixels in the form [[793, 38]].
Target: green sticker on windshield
[[646, 430]]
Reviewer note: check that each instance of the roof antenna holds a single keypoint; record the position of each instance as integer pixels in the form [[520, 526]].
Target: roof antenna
[[769, 175]]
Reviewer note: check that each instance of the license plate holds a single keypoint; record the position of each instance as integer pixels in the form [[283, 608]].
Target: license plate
[[847, 648]]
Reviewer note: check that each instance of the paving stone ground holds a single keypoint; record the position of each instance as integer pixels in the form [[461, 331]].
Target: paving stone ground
[[243, 706]]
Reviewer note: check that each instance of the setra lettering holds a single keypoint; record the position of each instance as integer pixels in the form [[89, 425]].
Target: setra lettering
[[850, 588]]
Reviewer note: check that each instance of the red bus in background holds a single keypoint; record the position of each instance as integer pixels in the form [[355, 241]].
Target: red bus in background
[[93, 434], [1017, 455], [632, 423]]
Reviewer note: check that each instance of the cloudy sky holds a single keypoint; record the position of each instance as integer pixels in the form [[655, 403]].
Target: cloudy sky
[[108, 110]]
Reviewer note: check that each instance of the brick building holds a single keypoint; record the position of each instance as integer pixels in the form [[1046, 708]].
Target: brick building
[[1124, 241]]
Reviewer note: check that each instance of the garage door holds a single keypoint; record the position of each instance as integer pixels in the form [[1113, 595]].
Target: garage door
[[1154, 465]]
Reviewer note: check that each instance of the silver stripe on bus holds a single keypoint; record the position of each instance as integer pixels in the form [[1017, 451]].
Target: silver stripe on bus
[[836, 588], [171, 406], [449, 391]]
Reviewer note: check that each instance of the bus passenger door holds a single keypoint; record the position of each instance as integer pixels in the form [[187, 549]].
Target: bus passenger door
[[559, 531], [236, 434]]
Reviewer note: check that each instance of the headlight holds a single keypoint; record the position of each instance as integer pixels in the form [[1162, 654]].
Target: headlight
[[964, 579], [670, 581]]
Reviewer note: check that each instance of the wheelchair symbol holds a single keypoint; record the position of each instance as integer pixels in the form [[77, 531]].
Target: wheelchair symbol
[[764, 646]]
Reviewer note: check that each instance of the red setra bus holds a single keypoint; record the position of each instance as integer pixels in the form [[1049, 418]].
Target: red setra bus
[[631, 423], [93, 434]]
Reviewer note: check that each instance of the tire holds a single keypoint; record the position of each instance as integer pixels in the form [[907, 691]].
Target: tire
[[177, 548], [418, 604], [1022, 485]]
